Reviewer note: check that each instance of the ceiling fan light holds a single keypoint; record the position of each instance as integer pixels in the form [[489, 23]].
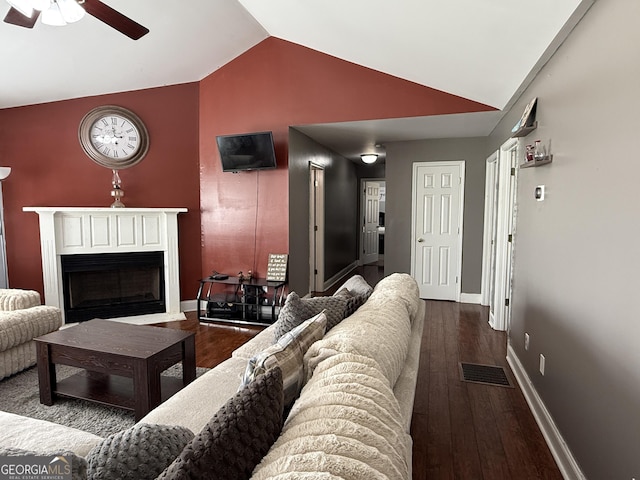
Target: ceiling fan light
[[71, 11], [23, 6], [40, 5], [52, 16], [369, 157]]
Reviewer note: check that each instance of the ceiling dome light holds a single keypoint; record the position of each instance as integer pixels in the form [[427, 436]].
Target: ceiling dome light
[[369, 157]]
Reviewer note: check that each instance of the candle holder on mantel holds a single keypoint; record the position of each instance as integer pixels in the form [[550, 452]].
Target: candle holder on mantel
[[117, 193]]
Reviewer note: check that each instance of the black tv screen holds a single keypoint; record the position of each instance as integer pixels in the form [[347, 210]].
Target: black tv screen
[[248, 151]]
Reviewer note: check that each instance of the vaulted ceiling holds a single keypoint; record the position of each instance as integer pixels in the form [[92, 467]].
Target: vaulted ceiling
[[480, 50]]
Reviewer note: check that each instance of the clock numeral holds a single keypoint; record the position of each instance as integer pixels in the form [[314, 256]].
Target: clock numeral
[[106, 151], [133, 139], [130, 130], [114, 121], [115, 154], [104, 120], [130, 146]]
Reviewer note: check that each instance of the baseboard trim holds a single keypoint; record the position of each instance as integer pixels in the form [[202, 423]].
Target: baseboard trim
[[470, 298], [559, 448], [188, 305], [330, 282]]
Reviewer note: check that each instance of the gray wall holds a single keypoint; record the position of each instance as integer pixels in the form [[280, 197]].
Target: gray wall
[[341, 209], [400, 159], [576, 254]]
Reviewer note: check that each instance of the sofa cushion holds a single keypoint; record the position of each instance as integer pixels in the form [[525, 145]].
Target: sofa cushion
[[17, 299], [20, 326], [141, 452], [78, 464], [204, 396], [345, 424], [257, 344], [39, 435], [288, 354], [238, 435], [296, 310], [378, 331]]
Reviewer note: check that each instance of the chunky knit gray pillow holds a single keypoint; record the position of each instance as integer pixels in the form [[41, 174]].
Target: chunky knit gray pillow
[[237, 437], [296, 310], [353, 301], [138, 453]]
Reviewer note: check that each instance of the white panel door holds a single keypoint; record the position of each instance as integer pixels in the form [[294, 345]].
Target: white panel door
[[437, 228], [370, 222]]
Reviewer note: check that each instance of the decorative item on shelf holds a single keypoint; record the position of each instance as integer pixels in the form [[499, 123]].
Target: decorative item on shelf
[[537, 154], [529, 153], [117, 193], [277, 267], [240, 276], [527, 122], [539, 151]]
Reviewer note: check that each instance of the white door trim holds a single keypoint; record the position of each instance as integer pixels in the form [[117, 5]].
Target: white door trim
[[489, 222], [505, 224], [316, 227], [414, 208]]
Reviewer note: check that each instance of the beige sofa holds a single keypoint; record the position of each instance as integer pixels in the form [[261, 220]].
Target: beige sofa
[[361, 380]]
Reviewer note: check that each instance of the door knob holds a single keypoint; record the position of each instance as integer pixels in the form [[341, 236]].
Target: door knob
[[421, 240]]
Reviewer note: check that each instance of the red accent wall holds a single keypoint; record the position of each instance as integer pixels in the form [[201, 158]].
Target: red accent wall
[[270, 87], [49, 168]]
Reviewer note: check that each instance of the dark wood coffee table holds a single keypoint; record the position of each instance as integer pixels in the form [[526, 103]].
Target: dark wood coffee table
[[122, 363]]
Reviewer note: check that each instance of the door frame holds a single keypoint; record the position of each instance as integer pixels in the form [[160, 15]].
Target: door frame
[[414, 176], [363, 195], [505, 232], [316, 227], [490, 193]]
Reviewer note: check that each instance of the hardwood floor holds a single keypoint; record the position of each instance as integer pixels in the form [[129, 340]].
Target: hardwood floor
[[465, 430], [460, 430]]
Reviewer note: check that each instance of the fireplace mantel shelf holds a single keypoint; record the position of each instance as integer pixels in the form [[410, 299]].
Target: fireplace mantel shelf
[[102, 209], [96, 230]]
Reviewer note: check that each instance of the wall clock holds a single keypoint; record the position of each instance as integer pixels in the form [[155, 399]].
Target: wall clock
[[113, 137]]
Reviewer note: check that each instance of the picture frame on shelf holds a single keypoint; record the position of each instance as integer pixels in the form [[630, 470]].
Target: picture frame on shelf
[[528, 116]]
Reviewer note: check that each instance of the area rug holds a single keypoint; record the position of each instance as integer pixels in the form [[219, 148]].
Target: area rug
[[19, 394]]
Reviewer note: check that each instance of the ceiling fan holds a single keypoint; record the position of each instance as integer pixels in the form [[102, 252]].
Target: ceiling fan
[[24, 13]]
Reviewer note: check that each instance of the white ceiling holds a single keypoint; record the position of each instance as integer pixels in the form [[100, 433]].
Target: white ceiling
[[483, 50]]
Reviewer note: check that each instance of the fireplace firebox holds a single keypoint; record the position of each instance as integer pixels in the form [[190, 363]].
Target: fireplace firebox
[[111, 285]]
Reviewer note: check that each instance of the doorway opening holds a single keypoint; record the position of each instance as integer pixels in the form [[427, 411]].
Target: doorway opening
[[499, 233], [372, 221]]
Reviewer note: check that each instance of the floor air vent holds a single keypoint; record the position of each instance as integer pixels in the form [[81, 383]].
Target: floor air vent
[[486, 374]]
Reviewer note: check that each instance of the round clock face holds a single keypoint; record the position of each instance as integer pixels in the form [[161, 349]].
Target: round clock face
[[113, 137]]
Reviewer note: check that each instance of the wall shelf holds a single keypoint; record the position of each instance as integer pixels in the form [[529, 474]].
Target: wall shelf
[[537, 163], [524, 131]]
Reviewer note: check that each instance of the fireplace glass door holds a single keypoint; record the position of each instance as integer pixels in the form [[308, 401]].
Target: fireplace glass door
[[111, 285]]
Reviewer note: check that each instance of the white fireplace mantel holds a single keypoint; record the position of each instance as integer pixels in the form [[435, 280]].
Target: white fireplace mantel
[[84, 230]]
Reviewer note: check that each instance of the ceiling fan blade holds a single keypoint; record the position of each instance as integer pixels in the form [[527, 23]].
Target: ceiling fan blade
[[14, 17], [115, 19]]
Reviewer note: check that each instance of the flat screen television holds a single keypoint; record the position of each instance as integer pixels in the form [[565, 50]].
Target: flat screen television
[[247, 151]]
